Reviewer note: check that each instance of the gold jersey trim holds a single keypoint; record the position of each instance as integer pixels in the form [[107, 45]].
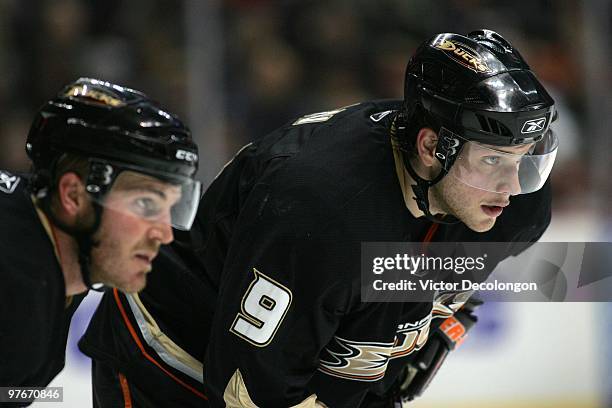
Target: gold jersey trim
[[236, 395], [170, 352], [402, 175]]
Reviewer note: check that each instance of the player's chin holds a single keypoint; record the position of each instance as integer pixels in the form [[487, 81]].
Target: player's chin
[[135, 284], [481, 224]]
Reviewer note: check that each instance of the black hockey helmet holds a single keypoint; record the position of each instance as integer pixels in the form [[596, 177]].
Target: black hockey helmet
[[478, 86], [477, 92], [116, 129]]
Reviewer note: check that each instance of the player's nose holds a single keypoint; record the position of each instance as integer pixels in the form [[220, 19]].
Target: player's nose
[[510, 183], [161, 231]]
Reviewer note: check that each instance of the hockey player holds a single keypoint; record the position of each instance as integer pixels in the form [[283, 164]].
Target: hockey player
[[279, 321], [112, 172]]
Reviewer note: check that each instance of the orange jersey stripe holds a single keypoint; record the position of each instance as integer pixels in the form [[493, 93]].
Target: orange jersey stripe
[[125, 390], [144, 352], [430, 233]]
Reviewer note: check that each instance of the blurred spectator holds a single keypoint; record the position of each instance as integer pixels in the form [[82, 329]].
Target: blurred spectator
[[14, 130]]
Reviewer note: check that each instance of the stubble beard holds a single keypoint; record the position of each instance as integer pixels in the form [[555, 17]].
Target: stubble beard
[[450, 196]]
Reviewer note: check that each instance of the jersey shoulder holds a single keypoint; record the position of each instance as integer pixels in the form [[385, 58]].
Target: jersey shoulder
[[23, 235], [331, 157], [32, 284], [315, 131]]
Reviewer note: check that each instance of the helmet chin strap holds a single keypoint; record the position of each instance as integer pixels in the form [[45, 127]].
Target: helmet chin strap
[[421, 192], [86, 243], [421, 188], [83, 238]]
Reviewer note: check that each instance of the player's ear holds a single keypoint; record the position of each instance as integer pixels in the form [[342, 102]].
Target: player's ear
[[71, 195], [426, 142]]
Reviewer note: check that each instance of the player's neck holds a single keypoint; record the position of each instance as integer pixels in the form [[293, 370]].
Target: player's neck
[[68, 250]]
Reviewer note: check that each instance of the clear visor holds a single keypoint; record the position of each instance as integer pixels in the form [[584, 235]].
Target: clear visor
[[153, 199], [510, 170]]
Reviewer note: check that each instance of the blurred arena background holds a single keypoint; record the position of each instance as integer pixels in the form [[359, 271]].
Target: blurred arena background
[[237, 69]]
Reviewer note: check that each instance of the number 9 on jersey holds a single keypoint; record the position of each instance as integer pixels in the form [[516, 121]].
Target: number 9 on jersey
[[262, 310]]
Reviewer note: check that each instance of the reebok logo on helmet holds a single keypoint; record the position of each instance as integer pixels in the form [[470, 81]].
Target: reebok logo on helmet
[[8, 182], [533, 125]]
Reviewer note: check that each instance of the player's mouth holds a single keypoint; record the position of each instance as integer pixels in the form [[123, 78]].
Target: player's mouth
[[493, 210], [145, 257]]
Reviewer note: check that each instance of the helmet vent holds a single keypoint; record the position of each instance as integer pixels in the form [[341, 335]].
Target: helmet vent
[[492, 40], [493, 126], [493, 46]]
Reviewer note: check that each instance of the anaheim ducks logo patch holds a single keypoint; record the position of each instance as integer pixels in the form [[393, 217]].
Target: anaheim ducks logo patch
[[464, 55], [367, 361], [354, 360], [8, 182]]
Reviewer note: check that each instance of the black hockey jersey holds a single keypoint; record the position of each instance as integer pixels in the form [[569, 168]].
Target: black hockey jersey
[[34, 315], [277, 247]]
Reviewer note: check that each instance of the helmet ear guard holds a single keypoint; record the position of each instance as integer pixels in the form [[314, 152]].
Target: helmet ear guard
[[100, 178], [447, 149]]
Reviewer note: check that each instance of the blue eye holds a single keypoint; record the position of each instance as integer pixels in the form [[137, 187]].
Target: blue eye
[[491, 160], [146, 207]]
